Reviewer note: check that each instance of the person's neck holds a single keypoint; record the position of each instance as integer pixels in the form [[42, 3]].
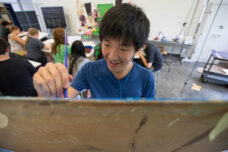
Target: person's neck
[[4, 57], [33, 37], [120, 75]]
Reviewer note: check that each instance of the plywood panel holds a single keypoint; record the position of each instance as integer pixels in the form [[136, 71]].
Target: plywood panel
[[48, 125]]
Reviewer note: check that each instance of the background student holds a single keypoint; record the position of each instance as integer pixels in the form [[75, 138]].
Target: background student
[[150, 57], [77, 58], [17, 44], [5, 30], [34, 47], [58, 47], [16, 74]]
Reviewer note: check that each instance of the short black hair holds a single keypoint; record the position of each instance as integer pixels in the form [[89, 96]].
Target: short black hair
[[3, 46], [127, 23], [4, 23]]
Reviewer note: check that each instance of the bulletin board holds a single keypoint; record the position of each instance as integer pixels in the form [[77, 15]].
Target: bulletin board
[[27, 19], [102, 9], [54, 17]]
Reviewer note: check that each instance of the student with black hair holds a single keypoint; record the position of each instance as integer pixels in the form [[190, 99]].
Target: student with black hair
[[124, 29], [150, 57], [16, 74], [5, 30], [77, 57]]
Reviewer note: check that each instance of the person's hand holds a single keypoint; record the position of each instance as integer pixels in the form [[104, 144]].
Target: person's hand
[[138, 53], [50, 80]]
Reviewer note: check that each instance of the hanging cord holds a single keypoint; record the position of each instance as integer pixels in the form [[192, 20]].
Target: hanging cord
[[185, 20], [189, 12], [197, 61], [190, 24], [183, 28]]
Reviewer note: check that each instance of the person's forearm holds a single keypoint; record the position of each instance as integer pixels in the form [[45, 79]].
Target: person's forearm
[[47, 47], [22, 42], [144, 61]]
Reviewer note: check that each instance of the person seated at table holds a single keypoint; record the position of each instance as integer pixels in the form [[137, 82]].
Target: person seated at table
[[34, 47], [16, 43], [77, 57], [150, 57], [124, 29], [5, 30], [16, 74], [58, 46]]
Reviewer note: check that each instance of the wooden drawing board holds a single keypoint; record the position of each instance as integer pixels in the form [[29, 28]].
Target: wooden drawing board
[[35, 124]]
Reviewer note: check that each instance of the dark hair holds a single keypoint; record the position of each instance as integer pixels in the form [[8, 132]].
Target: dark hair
[[127, 23], [5, 23], [77, 50], [3, 46]]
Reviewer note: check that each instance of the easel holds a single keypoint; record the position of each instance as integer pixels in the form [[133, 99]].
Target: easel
[[36, 124]]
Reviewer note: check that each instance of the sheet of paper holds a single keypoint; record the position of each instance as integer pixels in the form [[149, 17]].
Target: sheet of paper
[[71, 39], [196, 87], [34, 63], [225, 71]]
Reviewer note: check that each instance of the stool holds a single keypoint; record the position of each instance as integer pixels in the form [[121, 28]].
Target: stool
[[166, 62]]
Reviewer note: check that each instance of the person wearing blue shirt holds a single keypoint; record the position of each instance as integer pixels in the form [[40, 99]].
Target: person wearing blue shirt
[[102, 83], [124, 29]]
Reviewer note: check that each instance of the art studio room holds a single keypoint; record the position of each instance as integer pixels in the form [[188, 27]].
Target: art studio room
[[114, 75]]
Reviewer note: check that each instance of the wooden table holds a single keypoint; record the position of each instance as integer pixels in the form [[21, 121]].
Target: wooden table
[[183, 51]]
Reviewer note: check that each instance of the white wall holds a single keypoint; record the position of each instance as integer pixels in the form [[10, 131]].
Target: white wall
[[27, 5], [212, 37], [165, 15], [13, 3]]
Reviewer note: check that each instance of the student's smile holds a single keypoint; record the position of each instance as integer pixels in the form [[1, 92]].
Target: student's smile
[[113, 64]]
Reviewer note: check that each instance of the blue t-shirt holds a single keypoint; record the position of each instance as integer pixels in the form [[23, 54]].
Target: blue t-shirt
[[103, 84]]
